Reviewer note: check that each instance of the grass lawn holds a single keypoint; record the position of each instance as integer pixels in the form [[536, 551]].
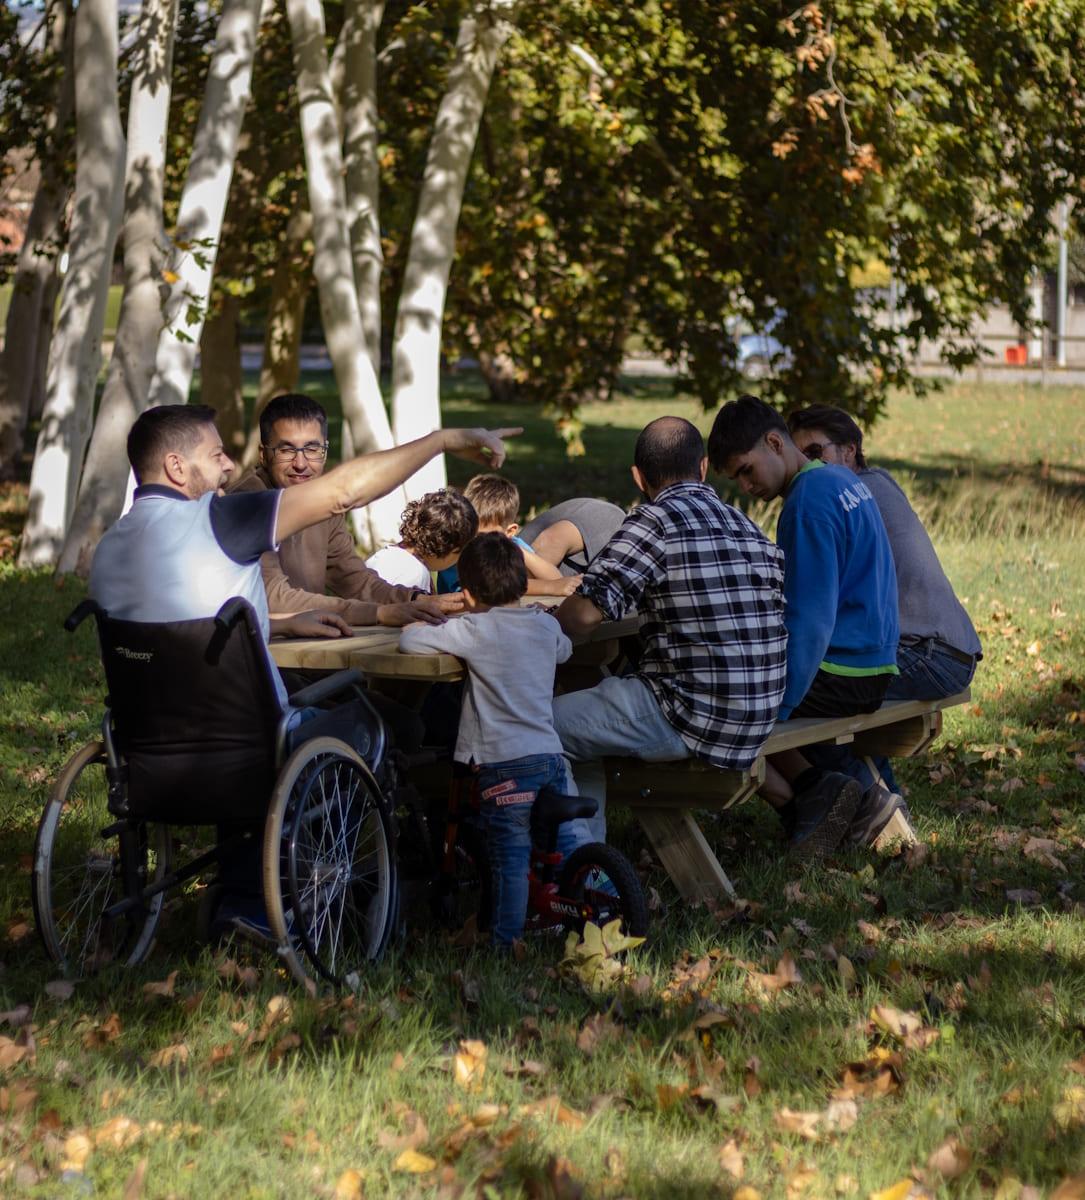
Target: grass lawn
[[749, 1051]]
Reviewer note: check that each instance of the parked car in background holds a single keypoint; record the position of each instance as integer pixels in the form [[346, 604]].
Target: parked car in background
[[762, 353]]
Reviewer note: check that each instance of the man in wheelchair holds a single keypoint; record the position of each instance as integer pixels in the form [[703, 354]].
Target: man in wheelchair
[[202, 731]]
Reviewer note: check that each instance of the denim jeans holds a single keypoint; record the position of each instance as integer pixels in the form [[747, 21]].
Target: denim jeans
[[926, 673], [506, 792], [618, 716]]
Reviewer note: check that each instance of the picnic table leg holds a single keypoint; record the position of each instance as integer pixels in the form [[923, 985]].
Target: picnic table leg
[[677, 839]]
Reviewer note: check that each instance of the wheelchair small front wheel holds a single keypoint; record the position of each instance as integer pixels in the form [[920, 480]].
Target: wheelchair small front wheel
[[602, 882], [77, 873], [329, 864]]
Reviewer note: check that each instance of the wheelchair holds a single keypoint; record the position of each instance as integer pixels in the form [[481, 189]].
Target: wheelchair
[[194, 734]]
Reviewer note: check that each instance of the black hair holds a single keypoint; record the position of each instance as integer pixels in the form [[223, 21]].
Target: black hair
[[292, 406], [438, 523], [668, 450], [492, 569], [165, 429], [838, 424], [739, 426]]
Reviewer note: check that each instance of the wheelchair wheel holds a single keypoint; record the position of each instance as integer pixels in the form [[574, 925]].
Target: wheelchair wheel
[[329, 864], [77, 873], [603, 883]]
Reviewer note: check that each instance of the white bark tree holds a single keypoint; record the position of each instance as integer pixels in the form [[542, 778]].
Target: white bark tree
[[76, 350], [128, 379], [416, 352], [37, 263], [359, 386], [203, 200], [362, 169]]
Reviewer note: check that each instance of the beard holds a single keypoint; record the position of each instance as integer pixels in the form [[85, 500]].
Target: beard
[[200, 484]]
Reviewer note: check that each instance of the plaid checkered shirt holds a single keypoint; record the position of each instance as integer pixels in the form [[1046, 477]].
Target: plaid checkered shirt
[[709, 586]]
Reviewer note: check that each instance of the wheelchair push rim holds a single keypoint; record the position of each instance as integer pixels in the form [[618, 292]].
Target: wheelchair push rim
[[329, 866], [77, 873]]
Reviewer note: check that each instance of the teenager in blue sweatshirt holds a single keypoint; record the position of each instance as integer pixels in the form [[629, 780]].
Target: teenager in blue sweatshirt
[[840, 590]]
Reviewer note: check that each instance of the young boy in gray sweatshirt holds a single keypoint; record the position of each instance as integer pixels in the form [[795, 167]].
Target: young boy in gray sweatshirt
[[506, 733]]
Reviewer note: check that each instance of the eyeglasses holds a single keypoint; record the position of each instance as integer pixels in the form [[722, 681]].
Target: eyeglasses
[[816, 450], [315, 452]]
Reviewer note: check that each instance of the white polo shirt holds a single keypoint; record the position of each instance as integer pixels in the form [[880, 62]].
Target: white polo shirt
[[170, 558]]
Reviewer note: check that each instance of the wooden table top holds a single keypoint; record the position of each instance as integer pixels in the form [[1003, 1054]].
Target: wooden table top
[[374, 650]]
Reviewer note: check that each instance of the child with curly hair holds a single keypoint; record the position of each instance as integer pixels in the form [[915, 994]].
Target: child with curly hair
[[432, 532]]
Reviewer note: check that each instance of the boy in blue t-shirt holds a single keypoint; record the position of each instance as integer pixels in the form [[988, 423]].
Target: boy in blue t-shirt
[[840, 589], [497, 502]]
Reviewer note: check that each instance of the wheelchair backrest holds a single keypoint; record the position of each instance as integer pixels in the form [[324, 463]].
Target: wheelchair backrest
[[194, 714]]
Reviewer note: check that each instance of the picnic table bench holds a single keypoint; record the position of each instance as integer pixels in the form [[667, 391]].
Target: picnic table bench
[[665, 795]]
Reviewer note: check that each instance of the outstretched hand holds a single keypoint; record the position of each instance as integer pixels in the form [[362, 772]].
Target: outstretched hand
[[484, 446]]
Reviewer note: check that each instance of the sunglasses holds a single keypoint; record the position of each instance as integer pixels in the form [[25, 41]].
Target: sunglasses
[[816, 450]]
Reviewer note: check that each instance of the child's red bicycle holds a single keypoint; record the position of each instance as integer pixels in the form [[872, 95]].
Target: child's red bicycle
[[595, 883]]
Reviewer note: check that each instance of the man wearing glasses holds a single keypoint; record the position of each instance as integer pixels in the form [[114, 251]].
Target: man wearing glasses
[[293, 450]]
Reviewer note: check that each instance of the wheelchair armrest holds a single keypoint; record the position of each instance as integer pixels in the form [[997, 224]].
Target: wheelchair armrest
[[79, 614], [324, 689]]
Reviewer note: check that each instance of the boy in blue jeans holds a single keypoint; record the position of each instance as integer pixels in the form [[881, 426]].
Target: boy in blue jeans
[[511, 654]]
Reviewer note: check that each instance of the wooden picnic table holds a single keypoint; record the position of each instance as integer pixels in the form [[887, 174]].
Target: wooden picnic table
[[374, 650]]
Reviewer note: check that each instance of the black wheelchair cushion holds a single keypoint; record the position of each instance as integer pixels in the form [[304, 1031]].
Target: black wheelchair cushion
[[195, 714]]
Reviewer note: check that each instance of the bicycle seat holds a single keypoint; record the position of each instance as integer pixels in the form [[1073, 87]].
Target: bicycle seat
[[553, 808]]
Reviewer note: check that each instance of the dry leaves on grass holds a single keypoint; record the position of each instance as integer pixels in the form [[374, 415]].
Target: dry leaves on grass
[[101, 1035], [592, 960], [880, 1074], [1072, 1188], [904, 1189], [60, 989], [170, 1056], [469, 1064], [350, 1185], [1069, 1112], [414, 1163], [840, 1116], [951, 1159], [596, 1031], [229, 972], [906, 1027], [20, 1049], [786, 975], [732, 1160], [16, 1017], [163, 989], [414, 1133], [555, 1110]]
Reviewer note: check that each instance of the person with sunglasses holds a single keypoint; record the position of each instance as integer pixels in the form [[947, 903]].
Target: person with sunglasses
[[939, 648], [323, 557]]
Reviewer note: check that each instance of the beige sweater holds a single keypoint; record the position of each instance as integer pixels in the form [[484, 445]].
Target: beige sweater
[[318, 559]]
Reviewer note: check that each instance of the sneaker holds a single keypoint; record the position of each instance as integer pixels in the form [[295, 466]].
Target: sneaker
[[823, 815], [881, 820]]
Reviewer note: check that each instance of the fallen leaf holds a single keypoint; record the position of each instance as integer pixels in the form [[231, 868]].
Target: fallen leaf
[[349, 1185], [289, 1041], [414, 1163], [16, 1017], [169, 1056], [800, 1180], [1070, 1110], [751, 1085], [951, 1159], [551, 1106], [229, 971], [77, 1148], [591, 960], [597, 1029], [163, 989], [414, 1135], [102, 1035], [398, 1062], [805, 1124], [732, 1160], [906, 1027], [841, 1115], [1072, 1188], [786, 975], [746, 1193], [879, 1075], [845, 1185], [906, 1189], [117, 1134], [527, 1068], [469, 1064], [60, 989], [845, 972]]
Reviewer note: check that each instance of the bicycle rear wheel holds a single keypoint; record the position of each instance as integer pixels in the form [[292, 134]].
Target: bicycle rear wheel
[[602, 882]]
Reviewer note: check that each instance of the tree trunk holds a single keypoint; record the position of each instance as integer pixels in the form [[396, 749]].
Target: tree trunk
[[46, 323], [359, 389], [101, 491], [416, 353], [203, 201], [77, 344], [220, 371], [279, 369], [36, 266], [359, 118]]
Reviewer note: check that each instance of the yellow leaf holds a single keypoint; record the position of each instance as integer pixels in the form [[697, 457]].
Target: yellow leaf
[[469, 1065], [170, 277], [117, 1134], [731, 1159], [169, 1055], [349, 1185], [746, 1193], [898, 1191], [77, 1150], [415, 1163], [805, 1124]]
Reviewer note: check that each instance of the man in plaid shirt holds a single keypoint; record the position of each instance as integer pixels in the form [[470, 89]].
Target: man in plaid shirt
[[709, 586]]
